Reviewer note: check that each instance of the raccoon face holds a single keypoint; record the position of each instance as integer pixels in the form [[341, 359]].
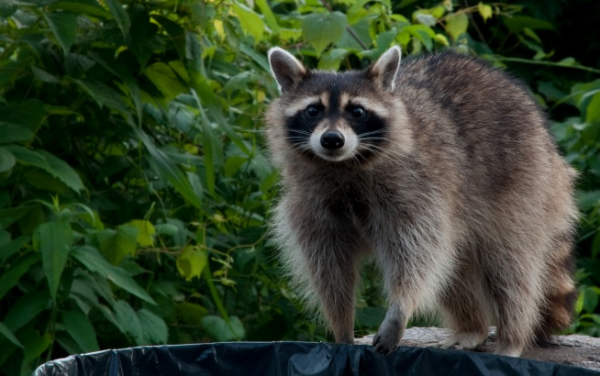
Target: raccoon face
[[335, 116]]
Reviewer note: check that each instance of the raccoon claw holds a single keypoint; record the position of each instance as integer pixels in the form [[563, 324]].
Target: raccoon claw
[[382, 346], [387, 339]]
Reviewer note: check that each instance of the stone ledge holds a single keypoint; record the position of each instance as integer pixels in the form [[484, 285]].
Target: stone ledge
[[576, 350]]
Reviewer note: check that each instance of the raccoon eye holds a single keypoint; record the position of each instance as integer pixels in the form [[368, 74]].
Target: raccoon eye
[[358, 112], [312, 111]]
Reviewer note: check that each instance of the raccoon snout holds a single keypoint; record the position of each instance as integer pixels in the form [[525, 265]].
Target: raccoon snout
[[332, 140]]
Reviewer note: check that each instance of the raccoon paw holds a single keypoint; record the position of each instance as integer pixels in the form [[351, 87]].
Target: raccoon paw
[[509, 350], [462, 341], [388, 337]]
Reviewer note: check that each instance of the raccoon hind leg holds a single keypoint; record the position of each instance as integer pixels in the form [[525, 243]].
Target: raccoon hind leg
[[514, 281], [463, 309]]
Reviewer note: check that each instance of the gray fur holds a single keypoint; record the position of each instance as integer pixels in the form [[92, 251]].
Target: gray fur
[[459, 194]]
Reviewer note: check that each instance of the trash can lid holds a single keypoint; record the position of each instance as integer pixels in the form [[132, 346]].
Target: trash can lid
[[295, 358]]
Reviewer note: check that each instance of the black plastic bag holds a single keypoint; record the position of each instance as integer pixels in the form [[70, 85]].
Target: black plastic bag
[[295, 358]]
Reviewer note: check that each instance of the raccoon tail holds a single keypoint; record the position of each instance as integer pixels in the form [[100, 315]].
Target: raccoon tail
[[558, 307]]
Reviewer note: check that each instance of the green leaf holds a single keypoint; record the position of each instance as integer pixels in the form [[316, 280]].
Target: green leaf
[[10, 277], [592, 112], [321, 29], [250, 21], [190, 313], [457, 25], [90, 7], [5, 239], [518, 23], [166, 168], [28, 157], [49, 163], [209, 164], [129, 321], [590, 299], [93, 261], [81, 330], [110, 316], [7, 9], [485, 11], [34, 345], [422, 33], [165, 80], [7, 160], [76, 65], [258, 58], [176, 32], [166, 229], [117, 244], [104, 95], [567, 62], [120, 16], [191, 262], [29, 114], [195, 183], [64, 27], [220, 331], [587, 199], [53, 240], [62, 171], [145, 230], [265, 9], [405, 3], [26, 309], [154, 328], [332, 59], [425, 19], [596, 246], [44, 76], [109, 63], [11, 215], [14, 133], [4, 331]]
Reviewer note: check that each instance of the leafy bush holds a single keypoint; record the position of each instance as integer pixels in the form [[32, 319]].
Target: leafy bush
[[134, 182]]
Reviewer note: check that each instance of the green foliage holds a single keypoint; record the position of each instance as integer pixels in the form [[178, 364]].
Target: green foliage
[[134, 183]]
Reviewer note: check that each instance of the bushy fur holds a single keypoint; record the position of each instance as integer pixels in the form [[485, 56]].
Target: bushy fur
[[459, 193]]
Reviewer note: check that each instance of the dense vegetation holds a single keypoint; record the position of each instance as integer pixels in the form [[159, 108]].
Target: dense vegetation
[[134, 182]]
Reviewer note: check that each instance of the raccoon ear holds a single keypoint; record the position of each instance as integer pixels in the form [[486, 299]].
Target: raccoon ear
[[286, 69], [386, 68]]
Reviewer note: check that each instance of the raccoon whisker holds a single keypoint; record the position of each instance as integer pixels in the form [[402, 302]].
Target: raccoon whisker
[[296, 139], [302, 147], [379, 131], [381, 153], [392, 156], [396, 153], [300, 131]]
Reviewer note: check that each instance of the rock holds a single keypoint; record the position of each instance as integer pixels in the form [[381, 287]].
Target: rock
[[575, 350]]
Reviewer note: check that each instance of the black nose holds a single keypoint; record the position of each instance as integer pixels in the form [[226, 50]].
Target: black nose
[[332, 140]]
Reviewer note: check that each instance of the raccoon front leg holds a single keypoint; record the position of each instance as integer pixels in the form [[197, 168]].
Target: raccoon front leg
[[334, 275], [331, 247], [414, 267]]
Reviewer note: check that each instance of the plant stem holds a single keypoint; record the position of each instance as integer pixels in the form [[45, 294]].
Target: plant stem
[[548, 63]]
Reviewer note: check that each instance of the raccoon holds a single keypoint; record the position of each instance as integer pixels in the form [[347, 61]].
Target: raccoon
[[442, 169]]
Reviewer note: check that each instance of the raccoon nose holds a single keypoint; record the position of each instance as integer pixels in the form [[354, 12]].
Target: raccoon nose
[[332, 140]]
